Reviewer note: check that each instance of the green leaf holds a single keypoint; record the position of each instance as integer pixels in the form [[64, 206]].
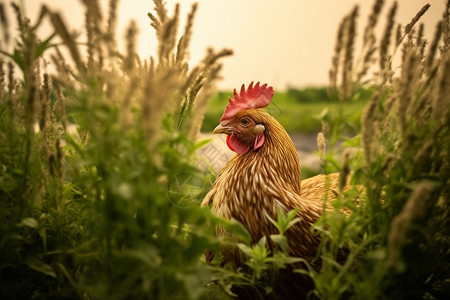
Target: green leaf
[[284, 221], [29, 222], [41, 47], [323, 113], [353, 142], [281, 241], [246, 249], [262, 242], [202, 143], [19, 60], [40, 266], [147, 255]]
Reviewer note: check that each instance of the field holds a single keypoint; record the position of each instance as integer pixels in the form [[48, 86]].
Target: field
[[297, 110], [100, 182]]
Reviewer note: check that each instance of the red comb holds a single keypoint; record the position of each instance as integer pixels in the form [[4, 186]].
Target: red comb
[[254, 97]]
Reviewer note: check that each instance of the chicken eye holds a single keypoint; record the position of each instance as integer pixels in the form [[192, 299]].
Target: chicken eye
[[245, 122]]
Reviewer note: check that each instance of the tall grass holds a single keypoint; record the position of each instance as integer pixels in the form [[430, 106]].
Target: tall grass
[[397, 235], [93, 141], [99, 188], [388, 237]]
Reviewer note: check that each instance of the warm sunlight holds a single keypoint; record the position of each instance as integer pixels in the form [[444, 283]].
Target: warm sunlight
[[287, 43]]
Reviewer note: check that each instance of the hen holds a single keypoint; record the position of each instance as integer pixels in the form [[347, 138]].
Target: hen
[[265, 176]]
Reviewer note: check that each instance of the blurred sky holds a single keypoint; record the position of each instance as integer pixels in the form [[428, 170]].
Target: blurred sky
[[281, 42]]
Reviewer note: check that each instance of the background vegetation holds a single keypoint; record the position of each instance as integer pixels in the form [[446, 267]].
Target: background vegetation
[[99, 188], [298, 110], [88, 152]]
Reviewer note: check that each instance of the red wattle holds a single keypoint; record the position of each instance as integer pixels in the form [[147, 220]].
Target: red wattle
[[237, 146], [229, 143]]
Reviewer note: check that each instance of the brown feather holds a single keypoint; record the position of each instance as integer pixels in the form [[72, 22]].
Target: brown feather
[[253, 185]]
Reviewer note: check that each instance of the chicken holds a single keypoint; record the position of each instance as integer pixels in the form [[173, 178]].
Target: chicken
[[265, 176]]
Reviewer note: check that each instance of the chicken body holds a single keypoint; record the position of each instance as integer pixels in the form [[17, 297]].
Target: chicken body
[[253, 185]]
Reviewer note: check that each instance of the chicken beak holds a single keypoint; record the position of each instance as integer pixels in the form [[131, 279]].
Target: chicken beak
[[223, 129]]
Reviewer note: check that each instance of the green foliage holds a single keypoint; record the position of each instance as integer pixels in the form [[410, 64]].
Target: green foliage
[[388, 235], [99, 188], [298, 110], [265, 260], [320, 94], [88, 157], [309, 94]]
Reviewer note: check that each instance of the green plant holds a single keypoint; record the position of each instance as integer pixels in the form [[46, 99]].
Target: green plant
[[396, 235], [88, 153], [99, 185]]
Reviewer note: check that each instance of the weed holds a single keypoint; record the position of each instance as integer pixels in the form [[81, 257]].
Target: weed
[[396, 235], [88, 153]]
